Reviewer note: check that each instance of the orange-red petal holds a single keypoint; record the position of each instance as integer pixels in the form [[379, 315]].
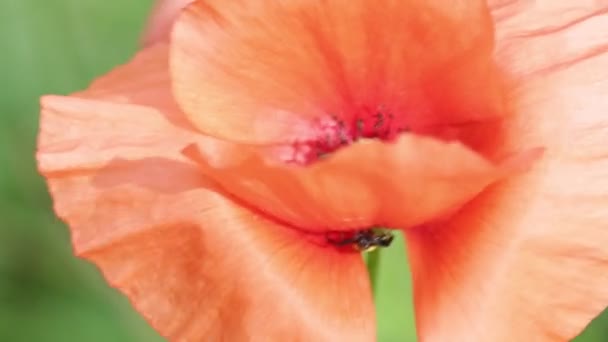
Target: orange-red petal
[[195, 264], [528, 260], [200, 268], [370, 183], [161, 20], [266, 72], [74, 131]]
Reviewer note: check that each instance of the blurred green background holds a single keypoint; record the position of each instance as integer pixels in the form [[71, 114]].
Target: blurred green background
[[47, 295]]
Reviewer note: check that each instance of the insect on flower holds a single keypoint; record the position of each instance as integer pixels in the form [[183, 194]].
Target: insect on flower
[[363, 240]]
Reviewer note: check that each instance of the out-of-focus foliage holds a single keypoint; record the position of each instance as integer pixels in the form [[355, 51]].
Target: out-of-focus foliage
[[53, 46], [46, 294]]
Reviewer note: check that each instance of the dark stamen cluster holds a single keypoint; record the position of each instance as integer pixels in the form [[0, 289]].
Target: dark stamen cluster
[[333, 132]]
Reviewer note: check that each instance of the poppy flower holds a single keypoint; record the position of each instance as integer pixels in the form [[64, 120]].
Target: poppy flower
[[208, 177]]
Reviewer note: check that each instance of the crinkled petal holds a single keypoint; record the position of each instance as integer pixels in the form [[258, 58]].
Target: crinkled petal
[[195, 264], [537, 37], [200, 268], [267, 72], [367, 184], [136, 95], [528, 260], [75, 130]]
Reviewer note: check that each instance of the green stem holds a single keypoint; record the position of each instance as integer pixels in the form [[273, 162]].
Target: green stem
[[373, 267]]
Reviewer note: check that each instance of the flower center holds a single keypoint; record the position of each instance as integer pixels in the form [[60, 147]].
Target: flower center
[[332, 133]]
